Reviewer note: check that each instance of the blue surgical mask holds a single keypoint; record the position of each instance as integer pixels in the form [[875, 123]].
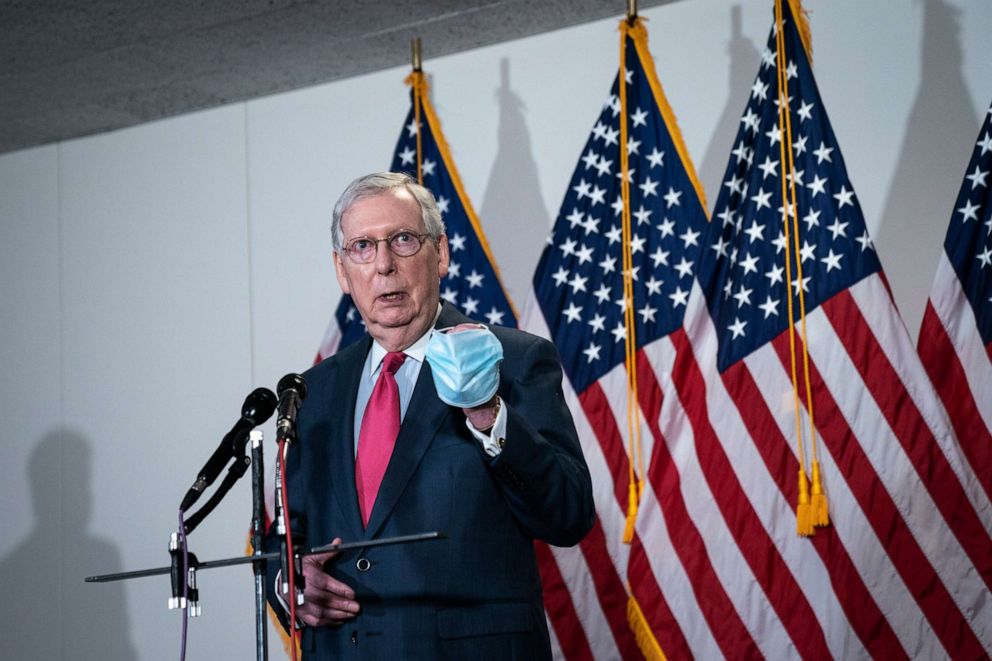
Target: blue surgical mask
[[465, 365]]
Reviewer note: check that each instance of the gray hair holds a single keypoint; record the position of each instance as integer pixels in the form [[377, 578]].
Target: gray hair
[[378, 183]]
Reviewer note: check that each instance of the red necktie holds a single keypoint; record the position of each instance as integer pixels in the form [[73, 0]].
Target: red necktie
[[377, 437]]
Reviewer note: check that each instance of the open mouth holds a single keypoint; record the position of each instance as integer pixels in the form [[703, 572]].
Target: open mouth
[[392, 297]]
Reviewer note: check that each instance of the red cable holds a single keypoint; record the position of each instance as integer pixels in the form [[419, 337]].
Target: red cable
[[293, 632]]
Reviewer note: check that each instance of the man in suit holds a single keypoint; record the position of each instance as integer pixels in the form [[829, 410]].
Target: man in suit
[[493, 476]]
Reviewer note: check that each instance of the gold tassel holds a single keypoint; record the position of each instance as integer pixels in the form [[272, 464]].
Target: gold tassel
[[632, 498], [642, 631], [821, 514], [804, 514]]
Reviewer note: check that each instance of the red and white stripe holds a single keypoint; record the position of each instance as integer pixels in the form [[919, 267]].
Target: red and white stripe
[[904, 569], [960, 367], [330, 342]]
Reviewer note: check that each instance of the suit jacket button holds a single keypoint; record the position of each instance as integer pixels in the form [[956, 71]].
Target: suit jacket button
[[363, 564]]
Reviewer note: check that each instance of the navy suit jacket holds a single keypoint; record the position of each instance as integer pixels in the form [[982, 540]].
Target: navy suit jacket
[[475, 594]]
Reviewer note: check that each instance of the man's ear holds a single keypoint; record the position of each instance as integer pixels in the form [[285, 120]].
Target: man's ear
[[339, 270], [443, 257]]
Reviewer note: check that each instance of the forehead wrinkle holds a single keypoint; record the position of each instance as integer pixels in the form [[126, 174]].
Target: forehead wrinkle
[[402, 198]]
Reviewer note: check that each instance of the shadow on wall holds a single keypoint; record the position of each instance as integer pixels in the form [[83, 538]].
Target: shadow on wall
[[48, 611], [930, 167], [744, 59], [513, 213]]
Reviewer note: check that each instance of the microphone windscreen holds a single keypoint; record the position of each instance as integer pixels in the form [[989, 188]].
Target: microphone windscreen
[[295, 382], [259, 406]]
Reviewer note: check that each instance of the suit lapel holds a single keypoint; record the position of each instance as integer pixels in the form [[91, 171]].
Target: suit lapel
[[424, 417], [342, 445], [450, 316]]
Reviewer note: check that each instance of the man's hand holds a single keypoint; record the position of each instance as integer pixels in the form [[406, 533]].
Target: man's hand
[[326, 601], [483, 417], [465, 364]]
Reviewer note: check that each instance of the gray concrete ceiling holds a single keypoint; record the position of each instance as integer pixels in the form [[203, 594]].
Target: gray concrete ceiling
[[70, 68]]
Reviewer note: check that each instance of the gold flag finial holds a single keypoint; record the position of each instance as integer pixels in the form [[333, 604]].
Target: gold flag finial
[[415, 53]]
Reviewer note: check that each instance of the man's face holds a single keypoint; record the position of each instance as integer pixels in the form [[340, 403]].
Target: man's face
[[396, 296]]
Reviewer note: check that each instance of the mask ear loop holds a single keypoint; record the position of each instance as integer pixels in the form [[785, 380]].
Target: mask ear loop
[[449, 329]]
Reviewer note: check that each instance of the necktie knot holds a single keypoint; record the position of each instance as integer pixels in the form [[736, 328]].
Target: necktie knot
[[391, 363]]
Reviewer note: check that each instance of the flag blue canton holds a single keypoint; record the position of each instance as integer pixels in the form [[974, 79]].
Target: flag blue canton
[[742, 268], [969, 236], [350, 323], [471, 283], [579, 280]]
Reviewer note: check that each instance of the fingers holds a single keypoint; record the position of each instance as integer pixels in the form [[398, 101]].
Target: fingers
[[319, 582], [483, 417], [466, 326], [323, 609], [321, 558], [326, 600]]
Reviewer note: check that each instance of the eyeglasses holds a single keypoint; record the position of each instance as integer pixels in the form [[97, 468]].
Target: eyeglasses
[[403, 243]]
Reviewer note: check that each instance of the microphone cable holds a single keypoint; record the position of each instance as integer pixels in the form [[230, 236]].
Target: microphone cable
[[293, 630]]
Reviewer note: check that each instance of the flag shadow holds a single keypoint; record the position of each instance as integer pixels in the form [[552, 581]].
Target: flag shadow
[[513, 213], [935, 149], [743, 58]]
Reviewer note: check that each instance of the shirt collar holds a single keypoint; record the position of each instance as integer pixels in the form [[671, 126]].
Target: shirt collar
[[417, 350]]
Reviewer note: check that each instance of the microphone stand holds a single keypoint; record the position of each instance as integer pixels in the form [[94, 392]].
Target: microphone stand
[[234, 473], [257, 534], [258, 559]]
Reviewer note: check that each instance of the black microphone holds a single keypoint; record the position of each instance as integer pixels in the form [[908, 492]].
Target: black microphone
[[258, 408], [292, 391]]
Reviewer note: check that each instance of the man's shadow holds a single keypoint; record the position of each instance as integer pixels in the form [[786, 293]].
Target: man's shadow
[[48, 611], [513, 212], [939, 138]]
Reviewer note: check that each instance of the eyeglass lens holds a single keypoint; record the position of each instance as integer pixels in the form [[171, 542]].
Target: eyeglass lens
[[403, 243]]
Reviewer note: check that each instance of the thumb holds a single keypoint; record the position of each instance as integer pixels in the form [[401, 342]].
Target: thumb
[[320, 558]]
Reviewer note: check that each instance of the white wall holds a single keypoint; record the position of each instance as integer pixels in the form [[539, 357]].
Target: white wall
[[151, 277]]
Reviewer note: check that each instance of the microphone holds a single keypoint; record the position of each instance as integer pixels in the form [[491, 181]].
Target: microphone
[[292, 391], [258, 408]]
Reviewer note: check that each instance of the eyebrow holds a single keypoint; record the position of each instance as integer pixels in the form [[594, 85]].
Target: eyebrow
[[402, 229]]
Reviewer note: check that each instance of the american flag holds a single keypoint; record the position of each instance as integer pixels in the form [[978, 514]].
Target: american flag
[[716, 566], [904, 568], [472, 283], [956, 336], [579, 303]]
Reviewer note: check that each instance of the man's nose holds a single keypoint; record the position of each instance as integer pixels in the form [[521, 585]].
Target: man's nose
[[384, 258]]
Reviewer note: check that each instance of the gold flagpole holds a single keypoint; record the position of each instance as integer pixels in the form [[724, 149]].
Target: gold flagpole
[[415, 53], [417, 81]]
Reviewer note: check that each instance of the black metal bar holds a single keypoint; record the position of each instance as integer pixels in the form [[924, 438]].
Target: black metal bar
[[244, 560]]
